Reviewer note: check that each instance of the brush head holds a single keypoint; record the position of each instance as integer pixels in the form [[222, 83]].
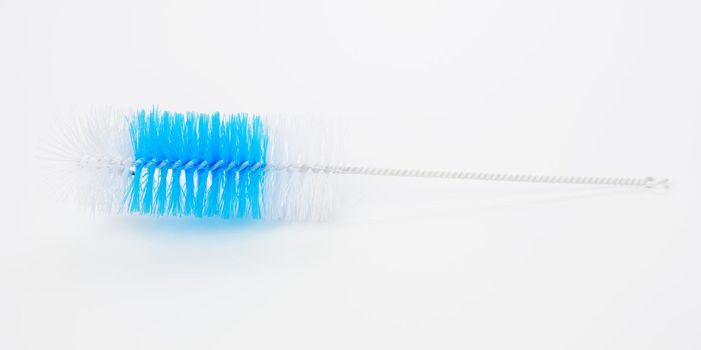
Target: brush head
[[230, 166], [197, 164]]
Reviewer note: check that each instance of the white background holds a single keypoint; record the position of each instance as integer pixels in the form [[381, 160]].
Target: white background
[[603, 87]]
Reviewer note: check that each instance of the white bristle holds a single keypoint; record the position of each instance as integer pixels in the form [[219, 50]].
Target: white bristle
[[88, 157], [301, 195]]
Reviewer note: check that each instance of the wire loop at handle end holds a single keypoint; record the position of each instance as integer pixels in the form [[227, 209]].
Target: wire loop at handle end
[[657, 183]]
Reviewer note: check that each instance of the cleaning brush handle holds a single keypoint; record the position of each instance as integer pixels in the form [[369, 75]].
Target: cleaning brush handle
[[649, 182]]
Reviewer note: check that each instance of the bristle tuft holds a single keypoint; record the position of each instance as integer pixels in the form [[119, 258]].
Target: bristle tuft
[[167, 144]]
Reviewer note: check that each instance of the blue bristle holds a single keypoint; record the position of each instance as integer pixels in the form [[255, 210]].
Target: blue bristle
[[153, 149], [230, 176], [164, 146], [214, 158], [147, 202], [202, 174], [206, 153], [176, 148], [190, 152], [242, 177]]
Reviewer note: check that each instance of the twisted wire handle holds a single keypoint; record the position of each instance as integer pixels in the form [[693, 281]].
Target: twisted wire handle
[[649, 182]]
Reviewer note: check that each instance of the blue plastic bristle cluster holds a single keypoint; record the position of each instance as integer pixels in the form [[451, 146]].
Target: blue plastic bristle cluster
[[201, 165]]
